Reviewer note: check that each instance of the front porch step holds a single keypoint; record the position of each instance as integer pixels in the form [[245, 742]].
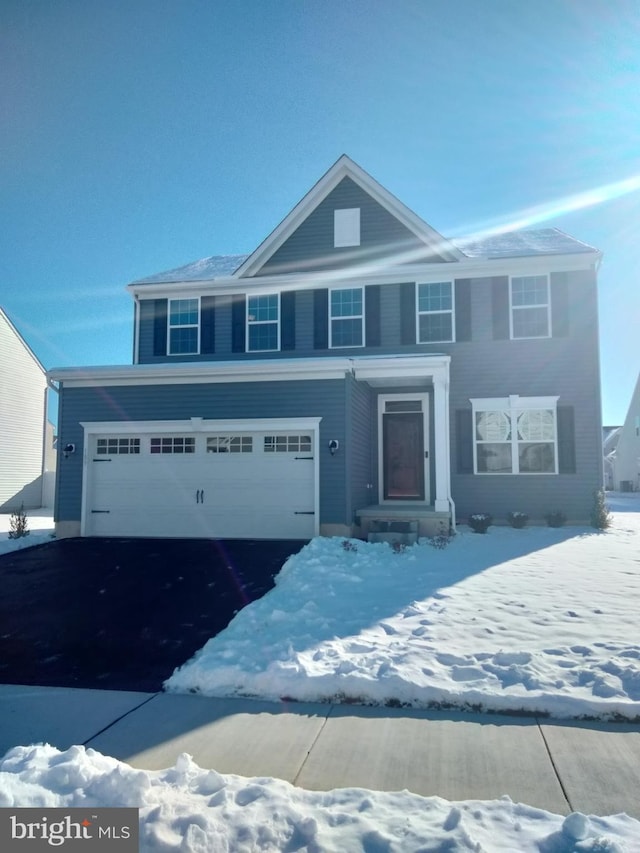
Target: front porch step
[[403, 523]]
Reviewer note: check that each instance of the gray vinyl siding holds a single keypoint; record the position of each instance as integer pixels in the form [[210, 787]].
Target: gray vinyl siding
[[293, 399], [311, 246], [22, 420], [361, 449], [565, 366]]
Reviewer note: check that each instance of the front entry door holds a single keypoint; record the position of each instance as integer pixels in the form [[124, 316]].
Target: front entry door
[[403, 455]]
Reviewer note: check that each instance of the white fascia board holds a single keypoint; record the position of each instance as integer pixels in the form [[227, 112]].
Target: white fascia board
[[198, 425], [264, 370], [374, 273]]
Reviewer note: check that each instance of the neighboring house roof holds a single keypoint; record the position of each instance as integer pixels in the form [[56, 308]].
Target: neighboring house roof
[[610, 436], [206, 269], [26, 346]]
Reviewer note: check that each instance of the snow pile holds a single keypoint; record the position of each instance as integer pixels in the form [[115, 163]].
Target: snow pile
[[40, 525], [192, 810], [538, 619]]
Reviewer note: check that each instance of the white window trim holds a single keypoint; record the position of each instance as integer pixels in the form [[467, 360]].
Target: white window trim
[[182, 298], [346, 227], [513, 308], [348, 317], [249, 322], [511, 405], [451, 311]]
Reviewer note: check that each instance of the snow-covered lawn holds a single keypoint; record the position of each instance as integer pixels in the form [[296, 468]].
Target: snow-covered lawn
[[39, 523], [192, 810], [542, 620]]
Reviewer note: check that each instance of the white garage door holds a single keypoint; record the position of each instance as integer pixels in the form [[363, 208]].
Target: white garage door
[[222, 484]]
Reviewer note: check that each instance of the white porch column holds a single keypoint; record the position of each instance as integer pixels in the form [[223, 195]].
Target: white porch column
[[441, 440]]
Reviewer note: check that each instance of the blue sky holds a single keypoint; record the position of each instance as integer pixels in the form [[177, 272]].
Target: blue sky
[[139, 135]]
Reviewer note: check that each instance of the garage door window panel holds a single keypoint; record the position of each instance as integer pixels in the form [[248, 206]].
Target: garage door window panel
[[230, 444], [287, 444], [117, 446], [173, 444]]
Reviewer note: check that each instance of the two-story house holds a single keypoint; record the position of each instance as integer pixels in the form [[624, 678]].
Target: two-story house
[[356, 369]]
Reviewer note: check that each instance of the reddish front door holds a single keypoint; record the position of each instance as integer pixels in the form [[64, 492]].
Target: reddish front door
[[403, 449]]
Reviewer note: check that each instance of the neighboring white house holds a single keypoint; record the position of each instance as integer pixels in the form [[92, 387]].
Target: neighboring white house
[[626, 456], [27, 464]]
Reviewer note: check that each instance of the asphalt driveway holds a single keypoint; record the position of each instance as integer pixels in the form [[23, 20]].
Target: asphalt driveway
[[121, 614]]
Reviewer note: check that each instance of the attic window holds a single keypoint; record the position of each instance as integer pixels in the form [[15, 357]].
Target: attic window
[[346, 227]]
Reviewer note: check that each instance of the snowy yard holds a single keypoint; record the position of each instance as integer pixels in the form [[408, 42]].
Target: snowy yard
[[538, 620], [40, 526]]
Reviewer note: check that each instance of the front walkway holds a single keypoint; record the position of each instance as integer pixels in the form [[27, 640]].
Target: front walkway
[[559, 766]]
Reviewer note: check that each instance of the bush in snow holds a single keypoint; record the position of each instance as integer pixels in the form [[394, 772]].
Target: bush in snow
[[556, 518], [480, 522], [442, 538], [18, 524], [600, 515], [348, 545], [518, 519]]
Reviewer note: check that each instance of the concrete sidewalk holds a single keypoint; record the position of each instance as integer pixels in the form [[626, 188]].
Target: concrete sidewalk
[[559, 766]]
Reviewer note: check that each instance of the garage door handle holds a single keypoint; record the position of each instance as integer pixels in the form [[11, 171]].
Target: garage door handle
[[199, 496], [304, 513], [308, 458], [100, 511]]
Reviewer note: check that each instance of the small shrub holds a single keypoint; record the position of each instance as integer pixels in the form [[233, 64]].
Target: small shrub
[[480, 522], [600, 515], [556, 518], [398, 547], [518, 519], [347, 545], [18, 526]]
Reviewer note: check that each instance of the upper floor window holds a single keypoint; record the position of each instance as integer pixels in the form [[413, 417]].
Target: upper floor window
[[530, 306], [515, 435], [346, 227], [263, 323], [346, 316], [184, 322], [435, 312]]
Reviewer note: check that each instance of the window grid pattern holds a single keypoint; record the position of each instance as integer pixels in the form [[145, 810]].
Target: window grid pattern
[[530, 306], [347, 314], [262, 322], [287, 444], [435, 312], [229, 444], [173, 444], [184, 317], [516, 442], [117, 446]]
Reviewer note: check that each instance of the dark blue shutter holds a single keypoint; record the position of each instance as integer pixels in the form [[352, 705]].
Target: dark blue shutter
[[559, 304], [372, 315], [160, 308], [463, 309], [408, 313], [321, 319], [500, 307], [288, 320], [207, 325], [566, 440], [238, 323], [464, 441]]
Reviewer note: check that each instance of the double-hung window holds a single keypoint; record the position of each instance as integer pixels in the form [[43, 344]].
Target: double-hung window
[[435, 312], [263, 323], [515, 435], [346, 317], [184, 326], [530, 307]]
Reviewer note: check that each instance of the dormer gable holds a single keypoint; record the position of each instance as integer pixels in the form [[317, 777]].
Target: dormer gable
[[347, 219]]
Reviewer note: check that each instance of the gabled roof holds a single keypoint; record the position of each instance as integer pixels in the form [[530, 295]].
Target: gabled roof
[[345, 167], [26, 346]]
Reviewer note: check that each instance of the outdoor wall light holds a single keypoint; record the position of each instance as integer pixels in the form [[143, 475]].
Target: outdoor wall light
[[68, 449], [334, 444]]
